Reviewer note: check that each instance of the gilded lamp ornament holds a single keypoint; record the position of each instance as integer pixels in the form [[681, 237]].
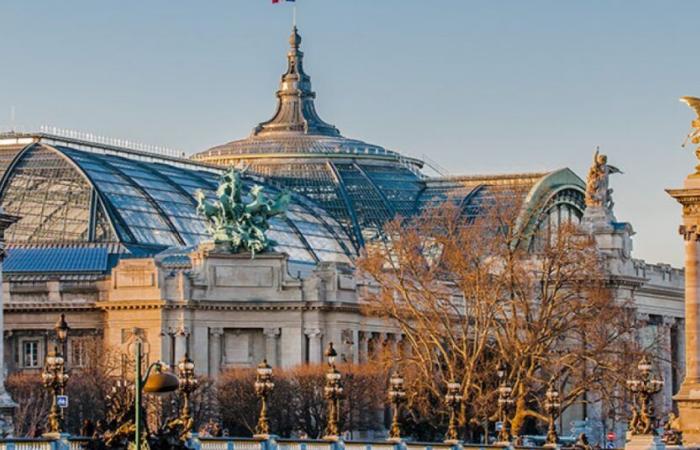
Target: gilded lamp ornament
[[453, 400], [397, 396], [644, 389], [333, 392], [263, 387], [54, 376], [237, 222]]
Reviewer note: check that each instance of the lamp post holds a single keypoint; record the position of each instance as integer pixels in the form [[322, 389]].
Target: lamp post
[[333, 392], [453, 399], [263, 387], [643, 390], [187, 385], [55, 377], [157, 382], [552, 406], [504, 402], [61, 328], [397, 395]]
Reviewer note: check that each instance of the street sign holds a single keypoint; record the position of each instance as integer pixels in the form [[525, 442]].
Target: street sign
[[62, 401], [611, 436]]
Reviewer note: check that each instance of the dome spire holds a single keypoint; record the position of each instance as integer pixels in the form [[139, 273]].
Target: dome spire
[[296, 112]]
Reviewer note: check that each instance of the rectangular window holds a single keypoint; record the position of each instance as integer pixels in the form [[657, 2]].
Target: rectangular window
[[30, 353], [78, 352]]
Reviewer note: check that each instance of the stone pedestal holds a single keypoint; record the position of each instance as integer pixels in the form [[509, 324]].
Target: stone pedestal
[[644, 442], [688, 397]]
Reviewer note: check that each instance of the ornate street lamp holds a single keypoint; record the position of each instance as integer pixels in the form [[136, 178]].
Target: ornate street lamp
[[453, 400], [333, 392], [188, 383], [552, 405], [643, 390], [156, 381], [61, 329], [397, 395], [54, 378], [504, 403], [263, 387]]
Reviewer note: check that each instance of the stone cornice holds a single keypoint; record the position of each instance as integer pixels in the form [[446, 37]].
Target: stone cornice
[[270, 306], [36, 307], [685, 196], [132, 304]]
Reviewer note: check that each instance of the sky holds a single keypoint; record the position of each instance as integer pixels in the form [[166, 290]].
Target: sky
[[491, 86]]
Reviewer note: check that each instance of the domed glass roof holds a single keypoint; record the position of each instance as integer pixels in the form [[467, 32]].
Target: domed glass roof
[[361, 185], [66, 195]]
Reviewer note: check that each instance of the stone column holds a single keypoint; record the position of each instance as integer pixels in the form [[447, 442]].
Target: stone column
[[680, 350], [7, 405], [664, 355], [215, 336], [356, 347], [315, 347], [271, 337], [688, 396], [180, 343], [363, 348]]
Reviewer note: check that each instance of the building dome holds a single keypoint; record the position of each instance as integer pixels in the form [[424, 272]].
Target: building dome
[[361, 185]]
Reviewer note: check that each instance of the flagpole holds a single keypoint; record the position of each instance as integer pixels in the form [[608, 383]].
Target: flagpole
[[294, 15]]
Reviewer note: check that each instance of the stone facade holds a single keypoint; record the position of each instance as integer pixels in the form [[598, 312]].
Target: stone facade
[[225, 310], [229, 310]]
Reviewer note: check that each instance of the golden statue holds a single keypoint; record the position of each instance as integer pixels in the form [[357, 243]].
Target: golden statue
[[694, 135]]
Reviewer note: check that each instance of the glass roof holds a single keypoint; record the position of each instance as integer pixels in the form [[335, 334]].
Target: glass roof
[[137, 202]]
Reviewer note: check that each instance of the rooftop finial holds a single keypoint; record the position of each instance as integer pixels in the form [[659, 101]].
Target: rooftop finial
[[296, 112], [295, 39]]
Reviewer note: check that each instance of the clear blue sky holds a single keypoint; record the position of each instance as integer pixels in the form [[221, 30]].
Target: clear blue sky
[[480, 87]]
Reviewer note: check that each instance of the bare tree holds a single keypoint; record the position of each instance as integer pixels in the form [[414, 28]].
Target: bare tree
[[471, 291], [296, 405]]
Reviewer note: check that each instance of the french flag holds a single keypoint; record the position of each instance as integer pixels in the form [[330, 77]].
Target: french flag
[[277, 1]]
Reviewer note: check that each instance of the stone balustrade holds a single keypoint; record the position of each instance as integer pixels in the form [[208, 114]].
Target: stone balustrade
[[66, 442]]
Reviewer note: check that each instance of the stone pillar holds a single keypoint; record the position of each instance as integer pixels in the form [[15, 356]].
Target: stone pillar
[[271, 337], [315, 346], [391, 344], [688, 396], [356, 347], [680, 350], [215, 336], [363, 348], [7, 405], [180, 343], [664, 355]]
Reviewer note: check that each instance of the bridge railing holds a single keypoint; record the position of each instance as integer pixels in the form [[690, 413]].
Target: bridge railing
[[67, 442]]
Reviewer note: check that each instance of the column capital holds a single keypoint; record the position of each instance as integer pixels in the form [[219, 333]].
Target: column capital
[[347, 336], [668, 321], [690, 233], [643, 318], [272, 333], [216, 331], [313, 332]]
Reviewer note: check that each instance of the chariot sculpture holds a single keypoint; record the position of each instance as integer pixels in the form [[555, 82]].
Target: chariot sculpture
[[237, 222]]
